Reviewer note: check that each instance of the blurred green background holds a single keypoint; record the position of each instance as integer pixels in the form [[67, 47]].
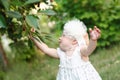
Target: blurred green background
[[21, 60]]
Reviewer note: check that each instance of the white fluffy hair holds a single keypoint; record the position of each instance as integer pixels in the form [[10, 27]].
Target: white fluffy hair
[[75, 29]]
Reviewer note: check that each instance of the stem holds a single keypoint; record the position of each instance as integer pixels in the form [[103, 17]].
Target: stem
[[5, 60]]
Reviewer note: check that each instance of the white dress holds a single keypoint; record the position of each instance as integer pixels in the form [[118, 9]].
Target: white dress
[[74, 68]]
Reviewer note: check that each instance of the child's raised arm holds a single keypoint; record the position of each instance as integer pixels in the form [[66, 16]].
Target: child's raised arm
[[44, 48], [94, 35]]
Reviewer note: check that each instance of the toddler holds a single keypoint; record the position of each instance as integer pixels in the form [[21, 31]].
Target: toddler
[[73, 51]]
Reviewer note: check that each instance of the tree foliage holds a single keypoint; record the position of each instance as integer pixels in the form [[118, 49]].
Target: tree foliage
[[17, 17]]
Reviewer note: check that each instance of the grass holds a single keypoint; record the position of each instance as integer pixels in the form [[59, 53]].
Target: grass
[[106, 61]]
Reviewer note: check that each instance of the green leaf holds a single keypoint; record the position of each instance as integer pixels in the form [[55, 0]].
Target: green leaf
[[2, 22], [14, 14], [48, 12], [32, 21], [30, 44], [17, 3], [89, 15], [5, 3], [31, 1]]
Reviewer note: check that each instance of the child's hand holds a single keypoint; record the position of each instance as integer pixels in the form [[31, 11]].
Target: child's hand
[[32, 30], [95, 33]]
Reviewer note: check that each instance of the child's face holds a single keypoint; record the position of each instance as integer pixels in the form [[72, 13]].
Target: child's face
[[65, 42]]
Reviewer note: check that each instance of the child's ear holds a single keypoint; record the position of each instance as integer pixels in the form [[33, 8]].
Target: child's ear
[[75, 41]]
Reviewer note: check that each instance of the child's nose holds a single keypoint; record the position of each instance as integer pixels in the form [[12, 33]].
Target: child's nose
[[60, 38]]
